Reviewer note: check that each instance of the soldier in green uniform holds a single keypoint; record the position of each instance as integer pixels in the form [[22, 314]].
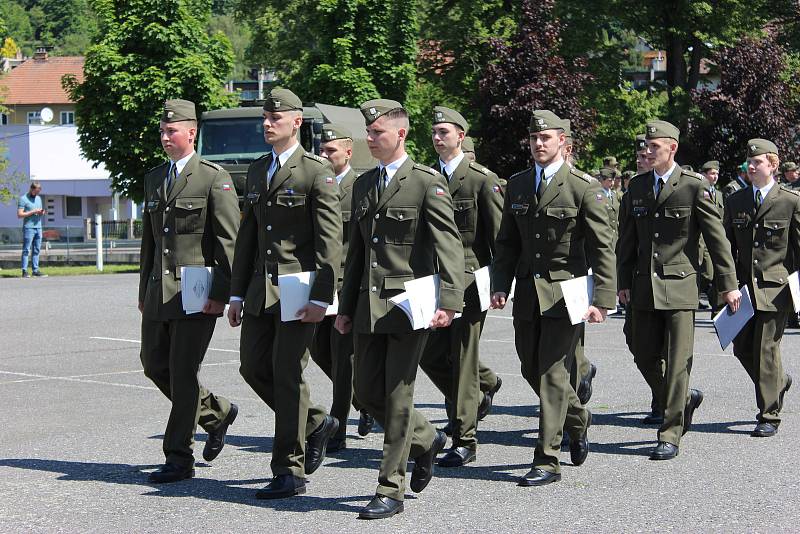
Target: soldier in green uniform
[[191, 217], [291, 224], [554, 228], [450, 358], [710, 170], [332, 351], [739, 182], [626, 178], [468, 148], [402, 229], [607, 176], [662, 217], [763, 225], [790, 175]]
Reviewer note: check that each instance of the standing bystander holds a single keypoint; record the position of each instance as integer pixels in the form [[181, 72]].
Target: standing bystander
[[29, 209]]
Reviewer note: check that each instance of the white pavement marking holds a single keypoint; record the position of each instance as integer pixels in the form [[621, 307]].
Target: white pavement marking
[[33, 377], [138, 342]]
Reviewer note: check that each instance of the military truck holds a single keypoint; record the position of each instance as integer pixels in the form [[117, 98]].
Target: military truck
[[234, 138]]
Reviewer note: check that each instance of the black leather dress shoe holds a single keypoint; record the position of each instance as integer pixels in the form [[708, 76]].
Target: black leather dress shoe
[[655, 418], [170, 472], [381, 507], [538, 477], [664, 451], [457, 456], [336, 444], [365, 423], [317, 443], [764, 430], [695, 400], [423, 464], [579, 449], [216, 438], [282, 486], [488, 398], [585, 386]]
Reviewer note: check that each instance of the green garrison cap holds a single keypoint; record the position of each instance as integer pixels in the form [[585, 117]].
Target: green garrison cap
[[608, 172], [627, 175], [544, 119], [742, 167], [710, 165], [641, 142], [756, 147], [568, 130], [332, 132], [660, 129], [372, 109], [443, 114], [687, 168], [177, 110], [788, 166], [468, 145], [609, 161], [280, 99]]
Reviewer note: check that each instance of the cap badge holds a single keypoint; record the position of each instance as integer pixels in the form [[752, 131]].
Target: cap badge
[[439, 115], [373, 111], [276, 103], [170, 114], [651, 129], [753, 148]]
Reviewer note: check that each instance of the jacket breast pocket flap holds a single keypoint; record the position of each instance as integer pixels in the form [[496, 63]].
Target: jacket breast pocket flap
[[401, 213], [679, 212], [562, 212], [776, 275], [291, 201], [461, 205], [678, 270]]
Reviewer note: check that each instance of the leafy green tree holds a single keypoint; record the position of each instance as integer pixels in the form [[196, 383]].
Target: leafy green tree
[[148, 51], [239, 35], [18, 24]]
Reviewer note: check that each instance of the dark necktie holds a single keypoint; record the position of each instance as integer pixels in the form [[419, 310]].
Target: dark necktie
[[172, 176], [541, 187], [444, 173], [759, 199], [381, 185], [713, 193], [659, 186], [276, 168]]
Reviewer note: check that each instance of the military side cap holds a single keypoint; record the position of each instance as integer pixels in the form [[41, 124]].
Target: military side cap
[[742, 167], [468, 145], [177, 110], [789, 166], [641, 142], [544, 119], [710, 165], [332, 132], [443, 114], [756, 147], [687, 168], [609, 161], [607, 172], [568, 130], [661, 129], [280, 99], [373, 109], [627, 175]]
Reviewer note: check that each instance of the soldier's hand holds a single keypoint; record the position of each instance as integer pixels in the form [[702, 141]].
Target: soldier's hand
[[595, 314], [624, 296], [498, 300], [141, 307], [343, 324], [733, 298], [311, 313], [442, 318], [235, 313], [213, 307]]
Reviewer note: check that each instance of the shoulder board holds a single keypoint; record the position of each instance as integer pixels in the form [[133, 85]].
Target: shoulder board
[[314, 157], [693, 174], [520, 173], [425, 168], [789, 189], [580, 174], [480, 168], [211, 164]]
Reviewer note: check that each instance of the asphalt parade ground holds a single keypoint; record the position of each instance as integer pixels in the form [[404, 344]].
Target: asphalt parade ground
[[82, 427]]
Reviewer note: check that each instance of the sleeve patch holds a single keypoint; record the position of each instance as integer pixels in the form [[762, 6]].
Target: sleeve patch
[[496, 189], [226, 187], [329, 179], [439, 191]]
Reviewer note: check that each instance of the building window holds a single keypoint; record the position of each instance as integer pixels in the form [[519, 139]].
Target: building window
[[3, 119], [34, 117], [73, 207], [67, 117]]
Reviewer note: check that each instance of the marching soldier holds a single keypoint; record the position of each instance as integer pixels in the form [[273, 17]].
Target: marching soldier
[[790, 175], [739, 182], [291, 224], [332, 351], [710, 170], [663, 215], [763, 225], [402, 229], [468, 148], [450, 358], [554, 228], [191, 217]]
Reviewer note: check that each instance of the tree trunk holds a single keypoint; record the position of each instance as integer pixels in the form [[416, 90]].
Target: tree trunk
[[694, 66]]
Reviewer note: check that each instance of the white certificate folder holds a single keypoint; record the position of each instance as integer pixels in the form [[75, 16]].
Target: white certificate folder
[[295, 292], [195, 287], [729, 324], [419, 301]]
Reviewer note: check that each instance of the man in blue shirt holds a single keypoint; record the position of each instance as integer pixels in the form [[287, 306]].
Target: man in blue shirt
[[29, 209]]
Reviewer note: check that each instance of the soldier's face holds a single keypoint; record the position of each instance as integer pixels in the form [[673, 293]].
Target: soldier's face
[[177, 138], [760, 169], [546, 146], [607, 183], [385, 138], [712, 175], [280, 126], [791, 176], [446, 138], [641, 162], [337, 153], [660, 152]]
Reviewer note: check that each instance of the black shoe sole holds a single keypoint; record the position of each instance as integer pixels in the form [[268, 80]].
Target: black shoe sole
[[525, 483], [265, 496], [461, 463], [185, 476], [385, 515]]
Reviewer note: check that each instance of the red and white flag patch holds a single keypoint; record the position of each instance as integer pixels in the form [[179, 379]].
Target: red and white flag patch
[[329, 180], [707, 195], [598, 196], [496, 189], [439, 191], [226, 187]]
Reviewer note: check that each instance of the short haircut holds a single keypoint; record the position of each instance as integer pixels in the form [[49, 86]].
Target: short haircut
[[400, 115], [773, 159], [344, 142], [36, 185]]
